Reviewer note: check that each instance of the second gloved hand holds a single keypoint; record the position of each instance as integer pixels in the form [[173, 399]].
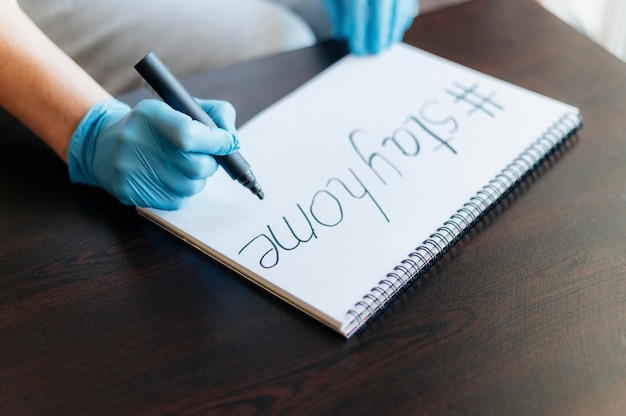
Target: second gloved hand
[[370, 26], [151, 155]]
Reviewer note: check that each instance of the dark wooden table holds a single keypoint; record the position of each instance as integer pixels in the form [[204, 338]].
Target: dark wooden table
[[101, 312]]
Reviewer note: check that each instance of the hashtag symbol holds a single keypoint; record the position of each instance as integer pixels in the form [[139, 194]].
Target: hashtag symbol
[[477, 101]]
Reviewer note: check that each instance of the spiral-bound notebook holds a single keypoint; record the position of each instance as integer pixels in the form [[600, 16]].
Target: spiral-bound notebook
[[371, 171]]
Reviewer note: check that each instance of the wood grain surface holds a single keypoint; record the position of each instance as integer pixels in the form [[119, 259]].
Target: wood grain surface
[[103, 313]]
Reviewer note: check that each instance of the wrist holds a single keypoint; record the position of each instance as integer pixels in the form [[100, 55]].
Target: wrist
[[82, 145]]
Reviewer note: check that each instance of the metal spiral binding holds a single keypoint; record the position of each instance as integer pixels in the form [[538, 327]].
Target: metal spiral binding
[[452, 230]]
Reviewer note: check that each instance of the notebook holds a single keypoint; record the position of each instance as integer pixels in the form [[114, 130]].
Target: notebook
[[371, 171]]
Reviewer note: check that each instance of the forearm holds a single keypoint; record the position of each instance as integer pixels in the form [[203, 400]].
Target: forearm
[[39, 84]]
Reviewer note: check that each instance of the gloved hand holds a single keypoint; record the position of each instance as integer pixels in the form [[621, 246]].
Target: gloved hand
[[370, 26], [151, 155]]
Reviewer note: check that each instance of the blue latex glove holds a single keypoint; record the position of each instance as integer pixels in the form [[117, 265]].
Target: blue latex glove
[[151, 155], [370, 26]]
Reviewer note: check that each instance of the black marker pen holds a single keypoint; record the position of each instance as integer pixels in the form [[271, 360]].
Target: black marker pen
[[165, 84]]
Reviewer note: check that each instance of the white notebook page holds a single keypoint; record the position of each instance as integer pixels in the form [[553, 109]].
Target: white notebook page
[[362, 164]]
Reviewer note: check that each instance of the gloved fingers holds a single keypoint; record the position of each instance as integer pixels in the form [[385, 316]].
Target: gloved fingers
[[169, 183], [179, 185], [370, 26], [355, 25], [381, 23], [183, 149], [334, 10], [193, 165], [178, 174], [404, 13], [222, 112], [152, 174], [199, 138], [142, 193], [176, 131]]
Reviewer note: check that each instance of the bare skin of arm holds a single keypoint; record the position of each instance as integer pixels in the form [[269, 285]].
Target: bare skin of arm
[[39, 84]]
